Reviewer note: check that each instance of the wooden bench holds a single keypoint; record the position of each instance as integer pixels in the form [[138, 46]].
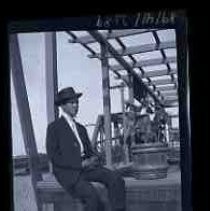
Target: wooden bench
[[150, 195], [53, 197]]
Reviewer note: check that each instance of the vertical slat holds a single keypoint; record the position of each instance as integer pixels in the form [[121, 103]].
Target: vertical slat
[[51, 77], [96, 130], [106, 103], [24, 110], [131, 91], [131, 99], [124, 123]]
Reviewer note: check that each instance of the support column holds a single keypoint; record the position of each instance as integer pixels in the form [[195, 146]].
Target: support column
[[131, 93], [51, 77], [169, 127], [124, 123], [106, 103], [131, 100], [24, 111]]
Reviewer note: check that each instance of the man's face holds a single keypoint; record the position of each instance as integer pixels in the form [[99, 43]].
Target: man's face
[[71, 107]]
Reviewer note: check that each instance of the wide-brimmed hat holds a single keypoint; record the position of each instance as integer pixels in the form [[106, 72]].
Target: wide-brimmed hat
[[66, 95]]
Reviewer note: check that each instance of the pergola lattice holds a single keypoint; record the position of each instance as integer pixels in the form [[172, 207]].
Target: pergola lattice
[[157, 75], [137, 73]]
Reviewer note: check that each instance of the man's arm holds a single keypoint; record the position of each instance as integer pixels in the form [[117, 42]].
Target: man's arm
[[93, 157], [91, 151]]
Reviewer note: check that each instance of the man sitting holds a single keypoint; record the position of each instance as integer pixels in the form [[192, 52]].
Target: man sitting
[[75, 164]]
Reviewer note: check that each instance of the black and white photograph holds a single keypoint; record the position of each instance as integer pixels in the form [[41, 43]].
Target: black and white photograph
[[100, 114]]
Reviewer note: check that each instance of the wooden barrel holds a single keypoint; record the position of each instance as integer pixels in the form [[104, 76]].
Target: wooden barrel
[[149, 160]]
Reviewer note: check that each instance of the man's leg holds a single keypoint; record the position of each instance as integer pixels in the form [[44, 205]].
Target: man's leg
[[87, 194], [114, 183]]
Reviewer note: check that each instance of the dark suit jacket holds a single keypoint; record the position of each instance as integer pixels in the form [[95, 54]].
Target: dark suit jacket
[[63, 150]]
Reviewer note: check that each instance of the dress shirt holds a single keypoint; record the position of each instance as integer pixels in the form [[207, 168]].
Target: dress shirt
[[72, 124]]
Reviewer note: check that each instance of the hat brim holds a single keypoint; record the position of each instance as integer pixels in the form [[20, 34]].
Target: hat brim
[[63, 101]]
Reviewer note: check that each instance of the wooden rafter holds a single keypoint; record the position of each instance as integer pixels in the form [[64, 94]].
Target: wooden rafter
[[125, 65], [139, 49], [114, 34], [161, 82], [165, 88], [148, 62], [155, 73]]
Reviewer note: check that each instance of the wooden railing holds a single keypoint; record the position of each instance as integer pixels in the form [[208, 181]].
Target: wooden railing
[[21, 164]]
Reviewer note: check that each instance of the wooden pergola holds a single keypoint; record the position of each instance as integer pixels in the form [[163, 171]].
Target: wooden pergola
[[161, 84], [152, 86]]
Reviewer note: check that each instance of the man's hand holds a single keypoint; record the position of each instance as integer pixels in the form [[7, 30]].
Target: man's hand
[[90, 162]]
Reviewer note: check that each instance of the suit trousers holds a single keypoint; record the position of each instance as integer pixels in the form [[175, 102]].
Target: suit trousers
[[85, 191]]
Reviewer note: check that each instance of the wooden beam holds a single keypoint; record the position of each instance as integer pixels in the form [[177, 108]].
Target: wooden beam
[[157, 39], [148, 62], [51, 78], [139, 49], [130, 90], [125, 146], [154, 73], [106, 104], [173, 94], [126, 66], [170, 100], [161, 82], [170, 93], [96, 130], [172, 97], [51, 75], [24, 111], [171, 104], [165, 88], [114, 34]]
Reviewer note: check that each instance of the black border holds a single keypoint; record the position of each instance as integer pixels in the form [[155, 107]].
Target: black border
[[184, 112], [198, 37], [5, 120], [14, 25]]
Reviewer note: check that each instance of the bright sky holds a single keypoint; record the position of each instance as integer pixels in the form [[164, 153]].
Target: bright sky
[[74, 69]]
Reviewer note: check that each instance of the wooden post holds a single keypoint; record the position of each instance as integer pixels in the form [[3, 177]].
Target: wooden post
[[131, 100], [96, 130], [124, 123], [131, 94], [24, 111], [106, 104], [51, 77]]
